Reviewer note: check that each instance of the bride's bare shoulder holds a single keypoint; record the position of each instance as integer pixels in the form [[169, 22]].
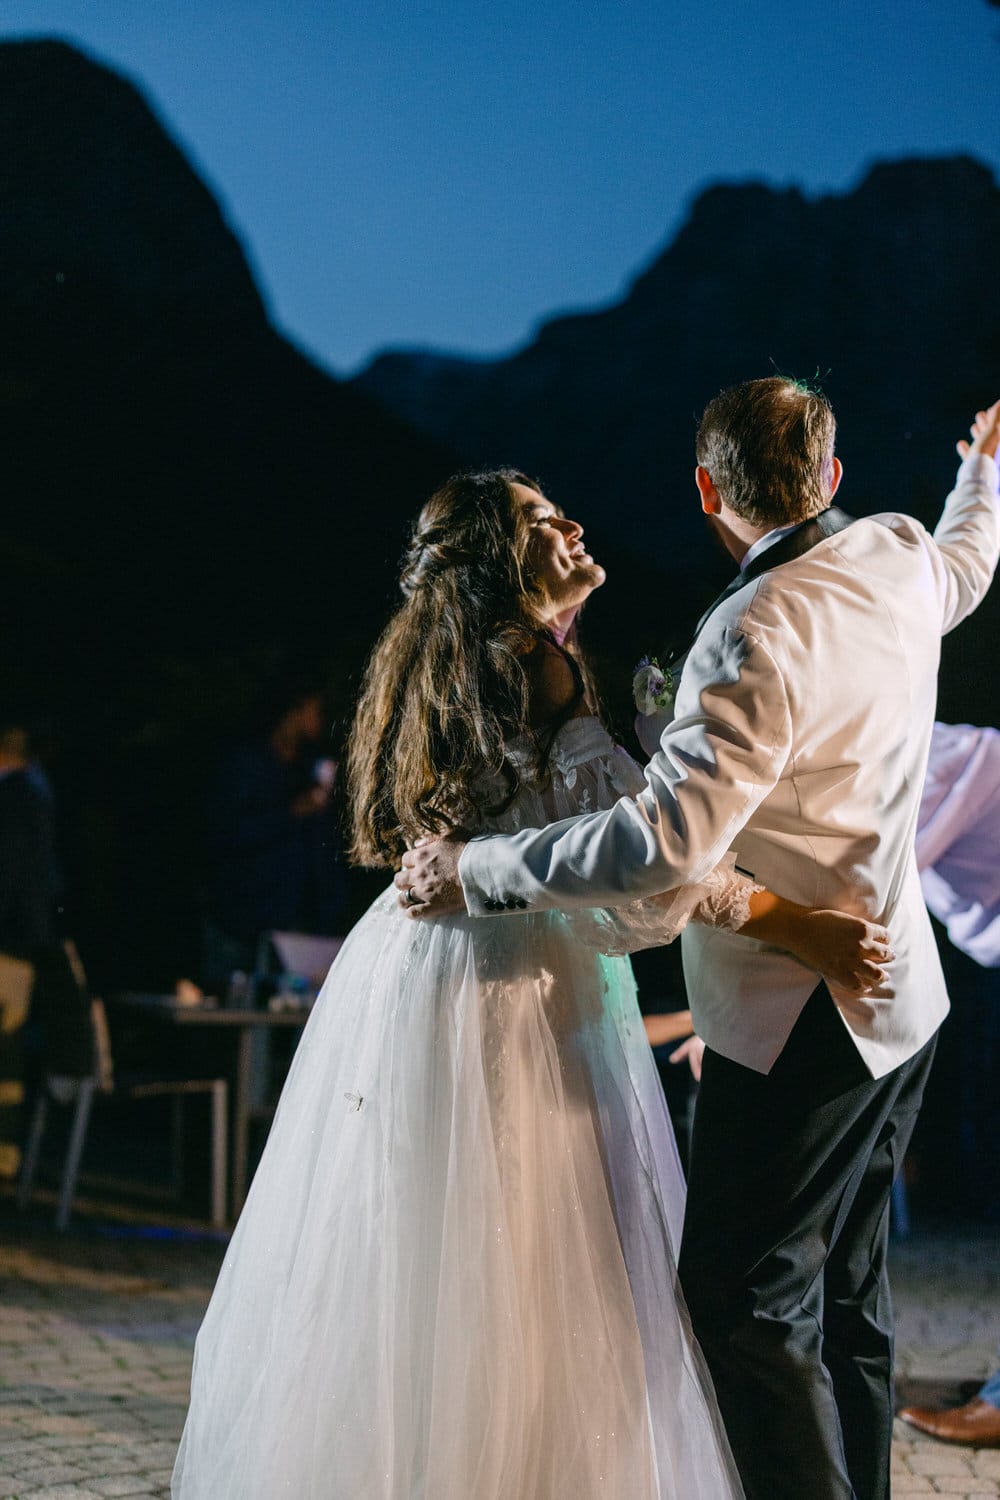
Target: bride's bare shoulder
[[555, 687]]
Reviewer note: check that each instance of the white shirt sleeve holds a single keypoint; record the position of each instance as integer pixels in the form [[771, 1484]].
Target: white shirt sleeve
[[967, 538]]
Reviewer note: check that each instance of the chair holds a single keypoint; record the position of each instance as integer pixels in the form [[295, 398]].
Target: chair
[[81, 1093], [300, 956], [290, 970], [16, 982]]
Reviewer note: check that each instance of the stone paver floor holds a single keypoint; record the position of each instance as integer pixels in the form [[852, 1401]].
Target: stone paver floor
[[95, 1356], [96, 1336]]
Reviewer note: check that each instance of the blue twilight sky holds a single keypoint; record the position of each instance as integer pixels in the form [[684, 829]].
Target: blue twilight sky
[[448, 172]]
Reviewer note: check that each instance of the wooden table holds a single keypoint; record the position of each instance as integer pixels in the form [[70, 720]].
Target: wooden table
[[164, 1010]]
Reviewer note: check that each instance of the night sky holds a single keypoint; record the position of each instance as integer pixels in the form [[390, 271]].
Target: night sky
[[444, 172]]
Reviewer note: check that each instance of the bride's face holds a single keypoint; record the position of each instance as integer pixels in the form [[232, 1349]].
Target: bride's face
[[565, 571]]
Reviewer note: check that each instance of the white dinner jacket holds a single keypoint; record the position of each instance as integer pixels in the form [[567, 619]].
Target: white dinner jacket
[[803, 721]]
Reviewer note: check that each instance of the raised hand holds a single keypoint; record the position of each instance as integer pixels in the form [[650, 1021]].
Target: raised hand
[[985, 433]]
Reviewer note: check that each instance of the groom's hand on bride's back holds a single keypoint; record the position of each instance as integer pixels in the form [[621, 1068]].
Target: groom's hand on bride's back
[[427, 884]]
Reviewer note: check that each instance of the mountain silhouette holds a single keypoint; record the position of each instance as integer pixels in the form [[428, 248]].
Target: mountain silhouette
[[186, 497], [197, 475]]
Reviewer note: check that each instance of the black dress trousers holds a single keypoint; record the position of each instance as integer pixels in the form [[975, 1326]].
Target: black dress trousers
[[783, 1259]]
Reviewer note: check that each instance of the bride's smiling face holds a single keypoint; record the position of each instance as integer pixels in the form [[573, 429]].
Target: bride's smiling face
[[560, 564]]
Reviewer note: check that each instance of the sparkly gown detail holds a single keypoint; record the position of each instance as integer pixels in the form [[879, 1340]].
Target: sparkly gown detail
[[454, 1277]]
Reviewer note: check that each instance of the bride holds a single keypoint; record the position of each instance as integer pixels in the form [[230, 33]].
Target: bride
[[454, 1277]]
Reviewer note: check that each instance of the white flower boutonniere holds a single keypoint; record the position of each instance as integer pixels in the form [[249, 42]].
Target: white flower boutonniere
[[652, 686]]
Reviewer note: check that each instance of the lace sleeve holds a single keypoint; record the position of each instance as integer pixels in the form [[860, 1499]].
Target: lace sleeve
[[722, 899]]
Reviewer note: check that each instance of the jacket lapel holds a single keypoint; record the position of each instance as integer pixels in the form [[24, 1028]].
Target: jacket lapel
[[797, 542]]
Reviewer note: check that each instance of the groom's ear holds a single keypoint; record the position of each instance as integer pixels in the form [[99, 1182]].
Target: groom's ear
[[836, 475], [711, 500]]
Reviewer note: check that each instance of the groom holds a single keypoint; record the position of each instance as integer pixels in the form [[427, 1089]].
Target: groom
[[803, 720]]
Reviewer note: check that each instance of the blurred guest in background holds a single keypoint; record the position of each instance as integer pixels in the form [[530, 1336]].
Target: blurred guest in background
[[45, 1022], [958, 838], [273, 852], [958, 852], [27, 916], [958, 849], [976, 1424], [27, 847]]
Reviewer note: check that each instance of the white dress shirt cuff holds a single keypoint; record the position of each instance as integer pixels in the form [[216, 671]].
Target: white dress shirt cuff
[[981, 468], [482, 898]]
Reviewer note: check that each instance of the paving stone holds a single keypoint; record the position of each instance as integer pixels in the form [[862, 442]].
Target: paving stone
[[47, 1475], [955, 1484], [936, 1459], [97, 1338], [62, 1492], [125, 1486]]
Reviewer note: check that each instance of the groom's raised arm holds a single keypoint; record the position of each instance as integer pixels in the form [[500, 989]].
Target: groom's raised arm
[[967, 538], [716, 763]]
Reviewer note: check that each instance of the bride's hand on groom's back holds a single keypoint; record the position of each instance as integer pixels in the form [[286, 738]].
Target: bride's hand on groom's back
[[850, 952]]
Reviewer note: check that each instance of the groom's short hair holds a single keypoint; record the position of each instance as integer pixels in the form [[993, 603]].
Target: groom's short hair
[[768, 446]]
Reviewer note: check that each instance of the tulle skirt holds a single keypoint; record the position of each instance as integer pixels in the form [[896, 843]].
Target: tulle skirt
[[454, 1276]]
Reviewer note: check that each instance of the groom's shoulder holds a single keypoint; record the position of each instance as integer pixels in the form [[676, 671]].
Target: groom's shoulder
[[865, 548], [886, 526], [862, 558]]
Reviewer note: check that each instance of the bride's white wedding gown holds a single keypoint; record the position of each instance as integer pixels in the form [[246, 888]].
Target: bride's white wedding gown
[[454, 1277]]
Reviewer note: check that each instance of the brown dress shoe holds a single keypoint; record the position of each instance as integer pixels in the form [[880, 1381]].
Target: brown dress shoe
[[977, 1424]]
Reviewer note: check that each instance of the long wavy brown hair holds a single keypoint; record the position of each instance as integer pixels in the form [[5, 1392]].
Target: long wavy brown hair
[[449, 682]]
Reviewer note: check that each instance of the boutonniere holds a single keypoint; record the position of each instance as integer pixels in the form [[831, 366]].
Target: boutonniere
[[652, 686]]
